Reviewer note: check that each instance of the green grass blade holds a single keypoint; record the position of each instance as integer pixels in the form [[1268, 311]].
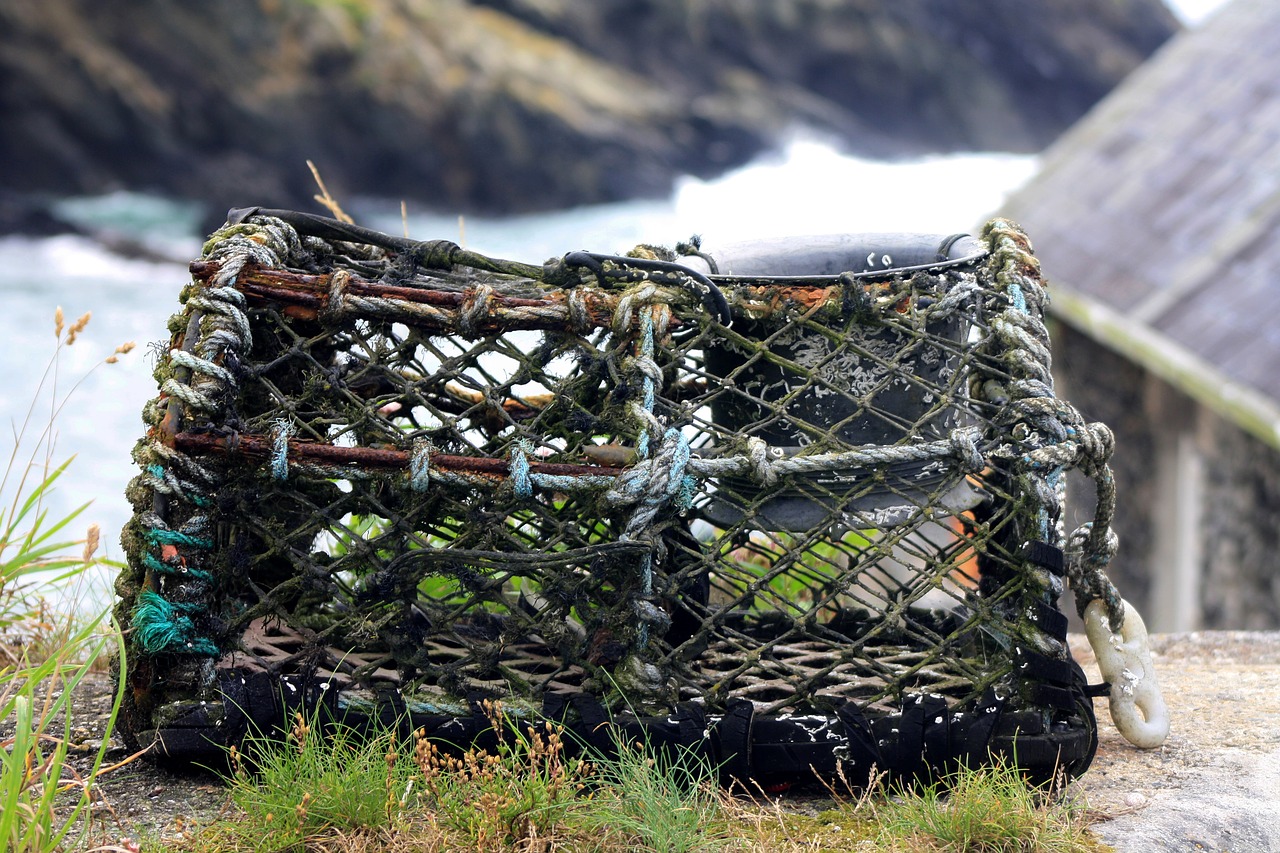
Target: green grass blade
[[14, 770], [38, 535], [36, 494]]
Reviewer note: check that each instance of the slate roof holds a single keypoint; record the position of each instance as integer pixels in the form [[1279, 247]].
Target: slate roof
[[1163, 203]]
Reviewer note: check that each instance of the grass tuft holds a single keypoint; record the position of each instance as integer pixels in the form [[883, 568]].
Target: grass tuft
[[45, 654], [666, 802], [342, 791], [35, 775], [990, 809]]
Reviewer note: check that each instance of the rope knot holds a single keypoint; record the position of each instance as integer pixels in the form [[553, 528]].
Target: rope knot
[[629, 304], [857, 300], [655, 481], [280, 450], [420, 465], [964, 443], [758, 456], [521, 482], [1089, 551], [579, 317], [475, 309], [1097, 443], [338, 282]]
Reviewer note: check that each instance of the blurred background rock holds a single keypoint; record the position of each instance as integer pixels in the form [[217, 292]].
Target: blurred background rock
[[521, 105]]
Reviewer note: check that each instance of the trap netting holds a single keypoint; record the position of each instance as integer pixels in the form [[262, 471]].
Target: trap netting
[[791, 504]]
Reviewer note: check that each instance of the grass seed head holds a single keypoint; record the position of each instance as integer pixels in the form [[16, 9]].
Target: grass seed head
[[77, 327], [91, 540], [301, 809], [300, 730]]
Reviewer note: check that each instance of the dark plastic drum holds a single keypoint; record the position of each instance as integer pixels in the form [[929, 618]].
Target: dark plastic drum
[[880, 398]]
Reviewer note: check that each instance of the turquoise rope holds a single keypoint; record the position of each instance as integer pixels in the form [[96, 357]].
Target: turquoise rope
[[1018, 297], [680, 486], [160, 536], [1043, 517], [162, 626], [159, 566]]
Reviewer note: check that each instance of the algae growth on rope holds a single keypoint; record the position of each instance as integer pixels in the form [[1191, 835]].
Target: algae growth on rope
[[794, 504]]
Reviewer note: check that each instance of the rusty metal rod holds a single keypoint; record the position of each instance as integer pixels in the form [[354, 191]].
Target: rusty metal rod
[[259, 447]]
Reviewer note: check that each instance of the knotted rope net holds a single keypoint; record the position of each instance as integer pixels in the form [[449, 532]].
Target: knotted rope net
[[797, 522]]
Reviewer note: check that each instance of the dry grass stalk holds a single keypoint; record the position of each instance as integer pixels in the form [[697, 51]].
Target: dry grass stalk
[[330, 203]]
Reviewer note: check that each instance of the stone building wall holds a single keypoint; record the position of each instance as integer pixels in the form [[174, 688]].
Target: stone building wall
[[1241, 583], [1192, 487]]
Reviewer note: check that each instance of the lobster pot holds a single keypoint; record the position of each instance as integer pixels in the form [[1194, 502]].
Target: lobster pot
[[793, 505]]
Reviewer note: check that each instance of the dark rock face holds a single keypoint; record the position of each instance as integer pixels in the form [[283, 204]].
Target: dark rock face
[[513, 105]]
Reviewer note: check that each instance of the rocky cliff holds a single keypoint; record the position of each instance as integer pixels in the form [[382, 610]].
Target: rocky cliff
[[504, 105]]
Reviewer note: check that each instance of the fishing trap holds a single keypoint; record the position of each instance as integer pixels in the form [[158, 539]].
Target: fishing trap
[[796, 505]]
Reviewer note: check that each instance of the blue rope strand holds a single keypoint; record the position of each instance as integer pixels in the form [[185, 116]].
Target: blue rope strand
[[420, 466], [688, 490], [1019, 299], [280, 454], [679, 460], [648, 400], [519, 468], [646, 589], [1043, 517]]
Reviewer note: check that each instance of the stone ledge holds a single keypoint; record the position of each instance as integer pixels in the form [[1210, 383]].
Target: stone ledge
[[1215, 784]]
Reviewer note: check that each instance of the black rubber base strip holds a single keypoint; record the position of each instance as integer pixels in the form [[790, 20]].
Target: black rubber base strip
[[923, 741]]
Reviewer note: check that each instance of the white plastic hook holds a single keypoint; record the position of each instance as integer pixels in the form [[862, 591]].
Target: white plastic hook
[[1137, 708]]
